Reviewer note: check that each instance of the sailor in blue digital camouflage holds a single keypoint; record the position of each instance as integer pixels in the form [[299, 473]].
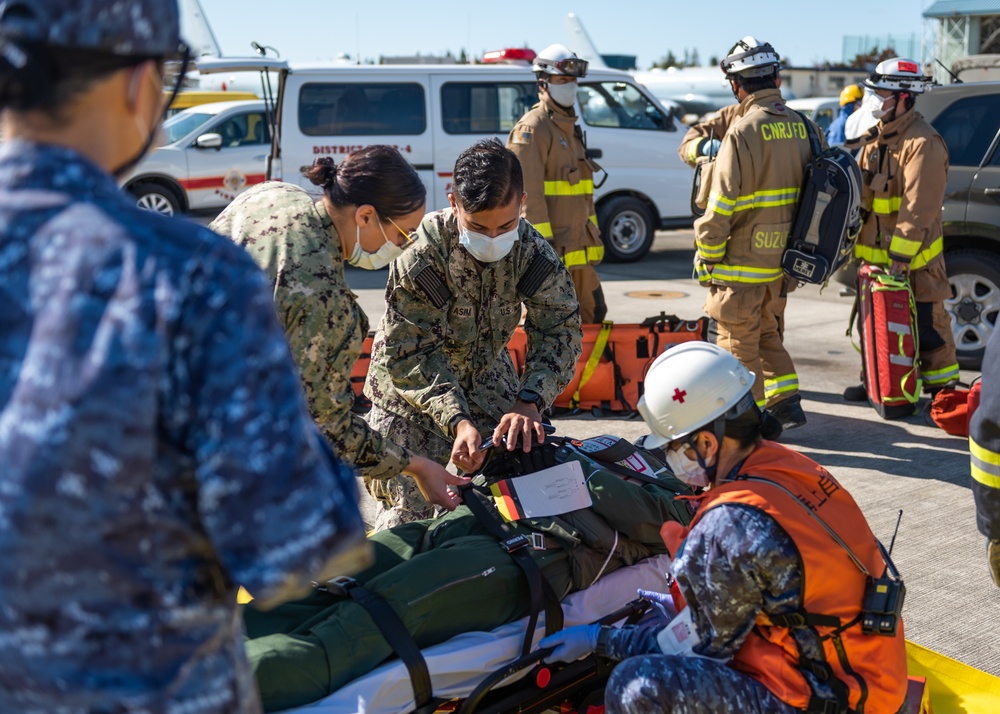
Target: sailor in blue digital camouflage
[[156, 447], [371, 201], [773, 612], [441, 377]]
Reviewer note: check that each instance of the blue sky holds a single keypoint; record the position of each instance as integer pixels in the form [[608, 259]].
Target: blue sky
[[316, 30]]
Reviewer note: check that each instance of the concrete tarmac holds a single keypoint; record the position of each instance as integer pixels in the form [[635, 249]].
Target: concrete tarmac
[[888, 466]]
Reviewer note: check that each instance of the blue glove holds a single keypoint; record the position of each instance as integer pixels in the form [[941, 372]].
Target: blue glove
[[710, 148], [572, 643], [662, 602]]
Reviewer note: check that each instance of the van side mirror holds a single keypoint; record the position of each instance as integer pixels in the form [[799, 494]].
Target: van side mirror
[[209, 141]]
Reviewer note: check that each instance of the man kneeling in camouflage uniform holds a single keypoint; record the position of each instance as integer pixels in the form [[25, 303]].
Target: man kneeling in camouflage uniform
[[440, 374]]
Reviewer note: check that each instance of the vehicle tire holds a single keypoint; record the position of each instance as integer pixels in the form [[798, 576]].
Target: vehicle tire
[[627, 229], [156, 197], [974, 276]]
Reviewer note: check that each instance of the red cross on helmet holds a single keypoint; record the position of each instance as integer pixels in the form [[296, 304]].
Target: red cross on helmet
[[690, 386]]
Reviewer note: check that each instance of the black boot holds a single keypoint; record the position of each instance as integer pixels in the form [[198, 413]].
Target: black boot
[[856, 393], [789, 412]]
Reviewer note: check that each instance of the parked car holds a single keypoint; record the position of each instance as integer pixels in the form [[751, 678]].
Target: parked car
[[968, 118], [210, 154], [822, 110]]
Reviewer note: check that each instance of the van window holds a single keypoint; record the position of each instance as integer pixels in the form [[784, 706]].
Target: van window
[[620, 105], [485, 107], [353, 109]]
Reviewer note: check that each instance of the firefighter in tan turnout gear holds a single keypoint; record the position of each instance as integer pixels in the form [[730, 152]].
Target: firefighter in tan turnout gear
[[904, 168], [559, 178], [740, 239]]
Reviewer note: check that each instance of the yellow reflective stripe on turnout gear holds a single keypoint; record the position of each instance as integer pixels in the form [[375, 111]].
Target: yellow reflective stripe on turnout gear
[[887, 206], [595, 356], [544, 229], [940, 376], [744, 273], [711, 252], [903, 246], [762, 404], [758, 199], [583, 256], [880, 256], [694, 150], [593, 219], [565, 188], [985, 465], [781, 385]]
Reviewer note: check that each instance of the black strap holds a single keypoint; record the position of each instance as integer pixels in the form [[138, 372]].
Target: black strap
[[394, 632], [538, 270], [814, 144], [624, 471], [433, 286], [540, 590], [801, 618]]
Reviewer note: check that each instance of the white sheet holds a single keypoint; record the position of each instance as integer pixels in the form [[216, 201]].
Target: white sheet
[[458, 665]]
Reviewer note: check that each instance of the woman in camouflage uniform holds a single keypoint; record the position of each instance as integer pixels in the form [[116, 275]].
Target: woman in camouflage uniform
[[370, 204]]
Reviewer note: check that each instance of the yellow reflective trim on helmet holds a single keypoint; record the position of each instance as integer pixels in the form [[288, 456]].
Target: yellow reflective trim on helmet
[[565, 188]]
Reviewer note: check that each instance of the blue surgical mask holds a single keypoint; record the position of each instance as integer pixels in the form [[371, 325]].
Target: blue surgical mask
[[377, 260]]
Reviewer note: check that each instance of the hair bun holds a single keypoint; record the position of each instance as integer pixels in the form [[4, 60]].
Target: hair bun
[[322, 172]]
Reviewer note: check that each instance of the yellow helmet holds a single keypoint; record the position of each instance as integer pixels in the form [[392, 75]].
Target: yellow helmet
[[851, 93]]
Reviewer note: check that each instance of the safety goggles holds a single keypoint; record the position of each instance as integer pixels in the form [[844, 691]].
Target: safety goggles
[[572, 66]]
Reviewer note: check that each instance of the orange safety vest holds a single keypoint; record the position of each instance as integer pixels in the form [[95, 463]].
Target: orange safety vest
[[784, 484]]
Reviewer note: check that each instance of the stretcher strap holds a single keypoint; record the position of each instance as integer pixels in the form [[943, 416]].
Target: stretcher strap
[[539, 589], [394, 632], [592, 361]]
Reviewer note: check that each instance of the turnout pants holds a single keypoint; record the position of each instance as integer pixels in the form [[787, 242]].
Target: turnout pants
[[751, 324], [442, 577], [589, 293]]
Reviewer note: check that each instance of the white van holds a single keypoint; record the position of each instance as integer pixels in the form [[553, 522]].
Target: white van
[[432, 113]]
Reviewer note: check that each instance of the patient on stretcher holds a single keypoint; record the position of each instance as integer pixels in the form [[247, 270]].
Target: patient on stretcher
[[450, 575]]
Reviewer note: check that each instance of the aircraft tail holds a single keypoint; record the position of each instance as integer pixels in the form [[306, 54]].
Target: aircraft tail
[[580, 42]]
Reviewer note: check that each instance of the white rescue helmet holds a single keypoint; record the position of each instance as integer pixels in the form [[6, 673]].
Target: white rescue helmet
[[899, 75], [751, 58], [689, 387], [558, 60]]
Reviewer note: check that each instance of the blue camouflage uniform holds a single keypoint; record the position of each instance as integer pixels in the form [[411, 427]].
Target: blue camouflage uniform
[[156, 451], [735, 563]]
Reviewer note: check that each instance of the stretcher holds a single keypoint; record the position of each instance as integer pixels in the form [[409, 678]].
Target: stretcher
[[460, 664]]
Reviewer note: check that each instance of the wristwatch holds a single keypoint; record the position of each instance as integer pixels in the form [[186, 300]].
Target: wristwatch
[[531, 397]]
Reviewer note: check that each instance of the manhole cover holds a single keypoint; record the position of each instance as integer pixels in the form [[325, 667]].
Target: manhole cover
[[656, 294]]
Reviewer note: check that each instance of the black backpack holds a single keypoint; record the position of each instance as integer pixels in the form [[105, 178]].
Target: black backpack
[[828, 217]]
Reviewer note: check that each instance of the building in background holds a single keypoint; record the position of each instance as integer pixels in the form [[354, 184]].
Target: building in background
[[963, 29]]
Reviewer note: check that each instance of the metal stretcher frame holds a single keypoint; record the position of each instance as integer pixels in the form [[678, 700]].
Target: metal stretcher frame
[[460, 664]]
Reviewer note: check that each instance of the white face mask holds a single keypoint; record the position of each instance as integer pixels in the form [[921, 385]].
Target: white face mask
[[377, 260], [563, 94], [685, 468], [486, 249], [876, 104]]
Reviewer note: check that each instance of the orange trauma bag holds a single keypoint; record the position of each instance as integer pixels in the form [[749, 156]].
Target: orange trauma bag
[[359, 373], [615, 357]]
